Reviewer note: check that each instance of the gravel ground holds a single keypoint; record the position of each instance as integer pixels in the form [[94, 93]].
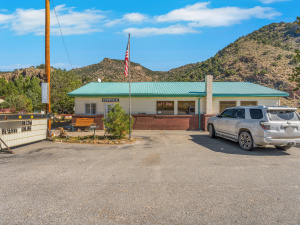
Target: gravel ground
[[166, 177]]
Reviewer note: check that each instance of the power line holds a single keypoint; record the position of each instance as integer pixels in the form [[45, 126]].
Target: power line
[[62, 35]]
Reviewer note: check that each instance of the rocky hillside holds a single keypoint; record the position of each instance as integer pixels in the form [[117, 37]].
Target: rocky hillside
[[113, 70], [265, 56], [31, 72]]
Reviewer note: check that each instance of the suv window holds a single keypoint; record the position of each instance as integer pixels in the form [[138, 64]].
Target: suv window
[[228, 113], [239, 113], [256, 114], [282, 115]]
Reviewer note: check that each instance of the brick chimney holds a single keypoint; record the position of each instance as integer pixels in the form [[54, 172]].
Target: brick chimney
[[209, 92]]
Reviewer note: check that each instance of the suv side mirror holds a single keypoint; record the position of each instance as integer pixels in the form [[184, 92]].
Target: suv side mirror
[[219, 116]]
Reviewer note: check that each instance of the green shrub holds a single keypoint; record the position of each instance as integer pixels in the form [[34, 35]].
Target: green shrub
[[279, 57], [266, 53], [263, 72], [117, 122]]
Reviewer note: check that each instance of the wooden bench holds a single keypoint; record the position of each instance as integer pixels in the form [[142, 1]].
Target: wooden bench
[[83, 122]]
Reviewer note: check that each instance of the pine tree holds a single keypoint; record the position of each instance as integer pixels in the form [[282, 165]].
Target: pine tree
[[117, 122]]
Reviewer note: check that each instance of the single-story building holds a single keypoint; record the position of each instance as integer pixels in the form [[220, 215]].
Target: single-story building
[[170, 105]]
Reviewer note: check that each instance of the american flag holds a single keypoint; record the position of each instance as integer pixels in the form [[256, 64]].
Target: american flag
[[127, 59]]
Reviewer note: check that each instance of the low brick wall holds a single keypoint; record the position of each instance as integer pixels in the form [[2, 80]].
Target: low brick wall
[[154, 122], [165, 122], [204, 120]]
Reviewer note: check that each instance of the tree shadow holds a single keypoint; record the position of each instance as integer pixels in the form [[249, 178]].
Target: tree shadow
[[229, 147]]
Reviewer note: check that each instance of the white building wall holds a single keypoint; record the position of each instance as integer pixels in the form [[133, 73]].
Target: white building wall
[[148, 105], [266, 101], [138, 104]]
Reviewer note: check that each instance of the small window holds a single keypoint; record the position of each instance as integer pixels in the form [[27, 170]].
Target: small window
[[256, 114], [227, 104], [239, 114], [228, 113], [87, 108], [90, 108], [186, 107], [248, 103], [165, 108]]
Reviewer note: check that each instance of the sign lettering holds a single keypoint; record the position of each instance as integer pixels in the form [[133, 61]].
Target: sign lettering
[[110, 100], [26, 126]]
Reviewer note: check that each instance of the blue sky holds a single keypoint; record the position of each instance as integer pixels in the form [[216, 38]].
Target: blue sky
[[164, 34]]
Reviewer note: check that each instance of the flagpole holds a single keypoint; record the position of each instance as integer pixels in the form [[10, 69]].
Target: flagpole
[[129, 89]]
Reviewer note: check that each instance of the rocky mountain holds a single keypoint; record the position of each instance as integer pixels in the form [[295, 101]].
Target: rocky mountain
[[31, 72], [265, 56], [113, 70]]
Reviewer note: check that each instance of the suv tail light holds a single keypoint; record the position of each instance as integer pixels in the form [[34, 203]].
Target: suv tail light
[[265, 125]]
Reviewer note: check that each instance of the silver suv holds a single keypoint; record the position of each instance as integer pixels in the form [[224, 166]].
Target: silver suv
[[255, 126]]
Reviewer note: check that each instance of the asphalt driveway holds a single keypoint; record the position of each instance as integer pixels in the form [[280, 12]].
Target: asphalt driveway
[[166, 177]]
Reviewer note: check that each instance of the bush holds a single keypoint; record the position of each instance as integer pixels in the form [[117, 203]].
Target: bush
[[263, 72], [266, 53], [279, 57], [117, 122]]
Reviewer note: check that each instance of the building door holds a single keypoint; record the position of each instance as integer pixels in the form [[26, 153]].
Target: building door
[[108, 108]]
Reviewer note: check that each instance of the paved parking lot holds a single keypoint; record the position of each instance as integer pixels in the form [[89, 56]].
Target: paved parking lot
[[166, 177]]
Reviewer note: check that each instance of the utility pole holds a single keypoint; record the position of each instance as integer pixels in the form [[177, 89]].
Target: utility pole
[[47, 57]]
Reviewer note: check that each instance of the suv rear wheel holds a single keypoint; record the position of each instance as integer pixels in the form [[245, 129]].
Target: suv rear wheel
[[211, 129], [245, 141]]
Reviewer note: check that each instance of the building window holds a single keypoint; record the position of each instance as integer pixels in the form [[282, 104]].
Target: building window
[[186, 107], [248, 103], [90, 109], [165, 108], [226, 104]]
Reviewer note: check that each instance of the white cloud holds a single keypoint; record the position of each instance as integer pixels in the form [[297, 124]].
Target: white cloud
[[199, 15], [18, 66], [5, 18], [26, 21], [74, 22], [135, 17], [152, 31], [64, 66], [130, 17], [272, 1], [13, 67]]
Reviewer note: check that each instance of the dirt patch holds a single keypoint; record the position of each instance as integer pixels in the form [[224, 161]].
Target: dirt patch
[[151, 160], [91, 140]]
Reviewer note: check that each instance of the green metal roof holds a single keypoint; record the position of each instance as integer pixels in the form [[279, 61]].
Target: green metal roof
[[174, 89]]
